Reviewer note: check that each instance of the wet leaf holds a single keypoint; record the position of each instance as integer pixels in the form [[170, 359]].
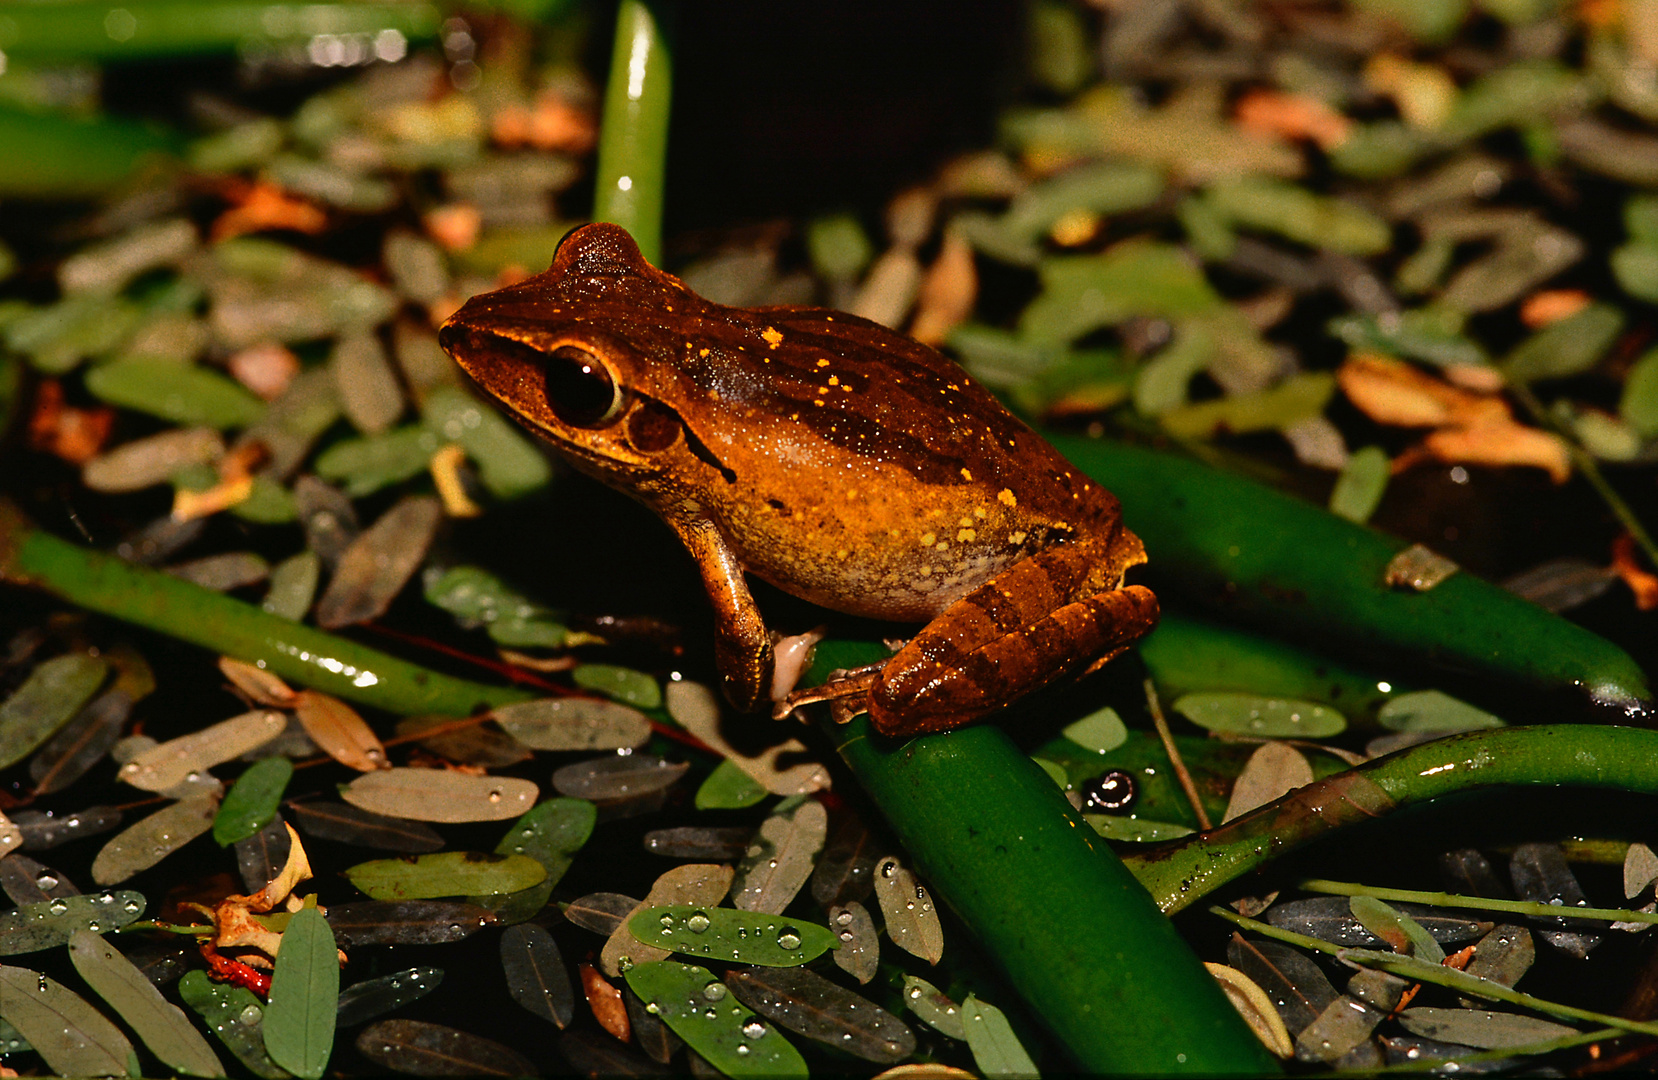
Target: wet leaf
[[340, 732], [1417, 569], [1431, 710], [614, 778], [222, 573], [406, 922], [908, 910], [846, 869], [805, 1002], [743, 937], [378, 563], [1540, 872], [440, 795], [1101, 731], [423, 1049], [508, 463], [1640, 869], [1256, 1008], [305, 991], [1481, 1027], [605, 1002], [696, 884], [1329, 918], [251, 802], [600, 1055], [1297, 399], [367, 386], [171, 763], [703, 843], [728, 788], [81, 743], [1136, 830], [1565, 347], [574, 724], [159, 1023], [148, 841], [362, 1002], [859, 954], [1343, 1025], [550, 833], [475, 596], [1260, 717], [1561, 584], [50, 923], [446, 873], [996, 1049], [42, 830], [48, 699], [536, 976], [733, 1039], [178, 393], [623, 684], [346, 824], [1502, 956], [601, 912], [236, 1017], [929, 1003], [293, 586], [654, 1037], [781, 858], [1296, 985], [72, 1037], [1275, 769], [28, 882]]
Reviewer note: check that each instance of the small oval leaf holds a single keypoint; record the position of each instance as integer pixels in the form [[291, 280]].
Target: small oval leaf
[[729, 935], [908, 911], [236, 1017], [158, 1022], [1260, 717], [536, 976], [612, 778], [406, 922], [712, 1022], [806, 1002], [446, 873], [422, 1049], [440, 795], [362, 1002], [251, 802], [144, 843], [346, 824], [51, 923], [574, 723], [72, 1037], [305, 992], [169, 764], [339, 731]]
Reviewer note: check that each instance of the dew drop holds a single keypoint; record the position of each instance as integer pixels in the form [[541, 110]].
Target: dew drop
[[132, 907], [251, 1014], [888, 869], [844, 919], [667, 922], [788, 938], [46, 880], [652, 1008], [92, 925], [495, 796], [742, 1049], [754, 1029], [57, 907], [714, 991], [698, 922]]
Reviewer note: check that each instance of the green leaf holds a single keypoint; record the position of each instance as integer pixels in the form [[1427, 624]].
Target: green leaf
[[251, 802], [1260, 717], [1135, 830], [728, 788], [700, 1010], [1298, 398], [1636, 268], [732, 936], [1101, 731], [367, 464], [181, 393], [474, 595], [1431, 710], [305, 991], [1360, 486], [508, 464], [47, 700], [446, 873], [930, 1003], [623, 684], [158, 1022], [51, 923], [838, 246], [1082, 293], [550, 833], [1396, 928], [996, 1049], [72, 1037], [1639, 405], [1566, 347], [236, 1016], [1293, 212]]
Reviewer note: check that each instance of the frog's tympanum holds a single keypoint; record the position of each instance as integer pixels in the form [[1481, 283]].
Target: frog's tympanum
[[838, 460]]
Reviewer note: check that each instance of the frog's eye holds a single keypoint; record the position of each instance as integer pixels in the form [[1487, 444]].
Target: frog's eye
[[579, 389]]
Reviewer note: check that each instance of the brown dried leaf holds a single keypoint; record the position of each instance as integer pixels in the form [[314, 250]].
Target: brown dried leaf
[[1256, 1008], [339, 732], [696, 709], [374, 569], [806, 1002], [440, 795], [1292, 116], [1274, 769], [172, 762], [606, 1002], [263, 687], [346, 824], [947, 292], [1627, 565], [780, 859], [859, 954], [911, 919]]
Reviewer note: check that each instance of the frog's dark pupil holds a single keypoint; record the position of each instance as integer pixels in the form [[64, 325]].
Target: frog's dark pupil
[[579, 389], [1112, 792]]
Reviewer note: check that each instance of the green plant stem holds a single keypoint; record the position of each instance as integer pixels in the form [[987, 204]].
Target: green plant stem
[[1533, 908], [301, 654], [1179, 874], [1077, 937], [91, 30], [1270, 559], [1410, 967], [633, 141]]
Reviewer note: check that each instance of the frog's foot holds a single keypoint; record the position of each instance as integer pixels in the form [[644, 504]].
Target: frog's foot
[[847, 692]]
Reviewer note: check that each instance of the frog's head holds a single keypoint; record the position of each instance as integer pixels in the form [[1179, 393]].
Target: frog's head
[[584, 355]]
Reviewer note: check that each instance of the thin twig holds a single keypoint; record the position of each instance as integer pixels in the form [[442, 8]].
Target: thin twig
[[1185, 777]]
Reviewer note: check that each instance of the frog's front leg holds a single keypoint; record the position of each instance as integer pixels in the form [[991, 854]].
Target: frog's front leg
[[1037, 620], [742, 645]]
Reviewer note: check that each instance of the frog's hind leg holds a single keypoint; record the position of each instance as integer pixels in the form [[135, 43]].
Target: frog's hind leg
[[1016, 633], [846, 690]]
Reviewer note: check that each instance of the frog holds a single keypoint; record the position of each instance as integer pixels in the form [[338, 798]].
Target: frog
[[837, 459]]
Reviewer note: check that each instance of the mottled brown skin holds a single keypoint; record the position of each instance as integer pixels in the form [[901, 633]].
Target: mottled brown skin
[[838, 460]]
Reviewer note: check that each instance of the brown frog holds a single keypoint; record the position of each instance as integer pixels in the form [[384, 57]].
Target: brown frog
[[840, 461]]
